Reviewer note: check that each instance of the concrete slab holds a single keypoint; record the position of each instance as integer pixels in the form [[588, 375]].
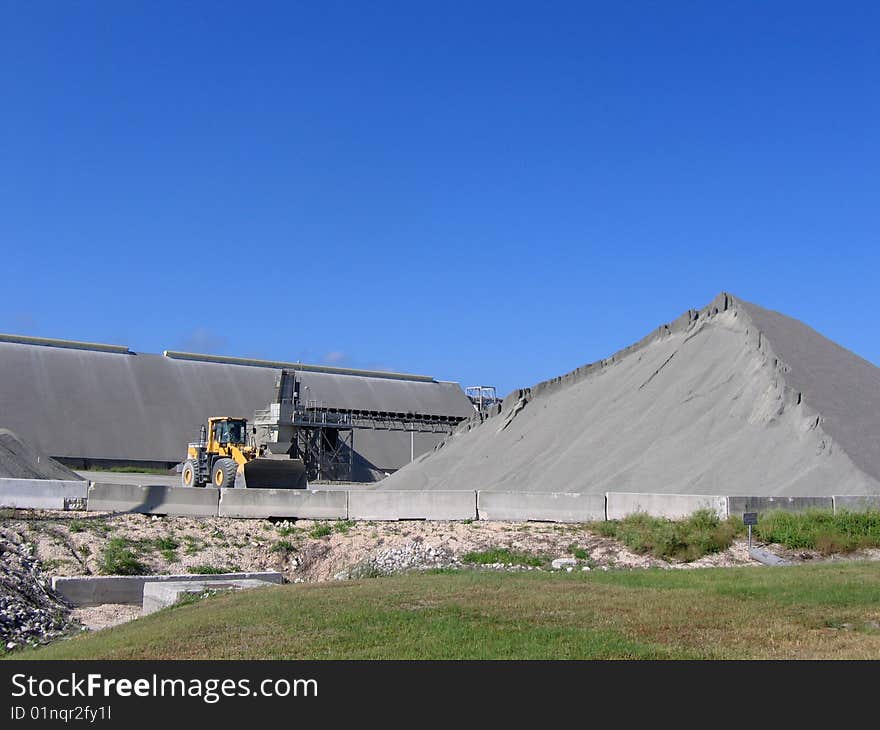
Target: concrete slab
[[541, 506], [166, 593], [412, 505], [93, 590], [737, 505], [154, 500], [767, 558], [671, 506], [42, 493], [856, 503], [317, 504]]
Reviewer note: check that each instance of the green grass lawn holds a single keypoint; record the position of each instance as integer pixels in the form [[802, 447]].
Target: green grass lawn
[[817, 611]]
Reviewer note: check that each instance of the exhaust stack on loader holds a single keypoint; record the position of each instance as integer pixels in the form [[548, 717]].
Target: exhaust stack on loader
[[223, 458]]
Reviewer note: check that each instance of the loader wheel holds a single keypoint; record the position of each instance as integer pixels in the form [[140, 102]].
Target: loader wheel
[[188, 475], [223, 474]]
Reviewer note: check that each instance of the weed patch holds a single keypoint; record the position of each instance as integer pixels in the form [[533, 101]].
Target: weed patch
[[683, 540], [118, 558], [821, 530], [283, 547], [505, 556], [320, 531], [343, 526], [212, 569]]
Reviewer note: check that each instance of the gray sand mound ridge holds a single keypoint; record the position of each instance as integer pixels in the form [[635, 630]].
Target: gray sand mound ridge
[[730, 399], [20, 461]]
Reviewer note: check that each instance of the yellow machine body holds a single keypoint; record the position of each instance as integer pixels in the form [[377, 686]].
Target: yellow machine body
[[222, 457]]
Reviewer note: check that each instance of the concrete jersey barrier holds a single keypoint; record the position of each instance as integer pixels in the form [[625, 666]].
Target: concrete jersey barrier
[[369, 504], [856, 503], [737, 505], [541, 506], [292, 503], [154, 500], [43, 493], [671, 506], [412, 505]]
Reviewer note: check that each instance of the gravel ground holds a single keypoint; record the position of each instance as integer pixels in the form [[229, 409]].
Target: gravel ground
[[95, 618]]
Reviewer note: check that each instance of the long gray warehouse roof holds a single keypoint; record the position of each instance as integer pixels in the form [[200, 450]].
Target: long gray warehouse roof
[[80, 401]]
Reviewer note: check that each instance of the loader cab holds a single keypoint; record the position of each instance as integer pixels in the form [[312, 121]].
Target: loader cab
[[226, 431]]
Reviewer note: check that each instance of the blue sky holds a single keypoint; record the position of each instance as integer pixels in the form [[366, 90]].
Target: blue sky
[[484, 192]]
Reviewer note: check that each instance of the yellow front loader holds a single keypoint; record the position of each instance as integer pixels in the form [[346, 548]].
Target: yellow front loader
[[223, 458]]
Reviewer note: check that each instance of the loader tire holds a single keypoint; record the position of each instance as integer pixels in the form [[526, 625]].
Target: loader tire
[[188, 475], [223, 473]]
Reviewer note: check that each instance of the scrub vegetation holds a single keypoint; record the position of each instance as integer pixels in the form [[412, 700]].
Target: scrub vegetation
[[821, 530], [685, 540]]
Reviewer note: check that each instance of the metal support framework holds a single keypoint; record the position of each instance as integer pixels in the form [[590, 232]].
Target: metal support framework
[[328, 453], [482, 396], [323, 437]]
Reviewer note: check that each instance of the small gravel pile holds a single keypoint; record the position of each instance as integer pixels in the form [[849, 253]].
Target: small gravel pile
[[415, 555], [30, 613], [19, 460]]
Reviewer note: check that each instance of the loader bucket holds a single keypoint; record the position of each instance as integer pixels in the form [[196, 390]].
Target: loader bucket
[[273, 474]]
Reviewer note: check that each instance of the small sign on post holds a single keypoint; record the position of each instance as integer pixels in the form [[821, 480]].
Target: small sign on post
[[750, 518]]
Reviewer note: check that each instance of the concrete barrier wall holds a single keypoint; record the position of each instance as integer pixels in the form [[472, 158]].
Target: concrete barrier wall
[[293, 503], [737, 505], [41, 493], [154, 500], [856, 503], [370, 504], [90, 590], [411, 505], [671, 506], [543, 507]]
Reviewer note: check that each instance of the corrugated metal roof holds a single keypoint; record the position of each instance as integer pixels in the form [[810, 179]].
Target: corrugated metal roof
[[73, 402]]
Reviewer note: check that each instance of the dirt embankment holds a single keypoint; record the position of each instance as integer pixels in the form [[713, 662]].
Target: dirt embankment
[[82, 543], [90, 543]]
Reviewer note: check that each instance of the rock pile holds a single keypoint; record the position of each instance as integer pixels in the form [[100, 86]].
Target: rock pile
[[415, 555], [30, 613]]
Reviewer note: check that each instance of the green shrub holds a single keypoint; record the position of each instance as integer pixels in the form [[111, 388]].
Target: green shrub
[[503, 555], [118, 558], [579, 552], [76, 526], [684, 540]]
